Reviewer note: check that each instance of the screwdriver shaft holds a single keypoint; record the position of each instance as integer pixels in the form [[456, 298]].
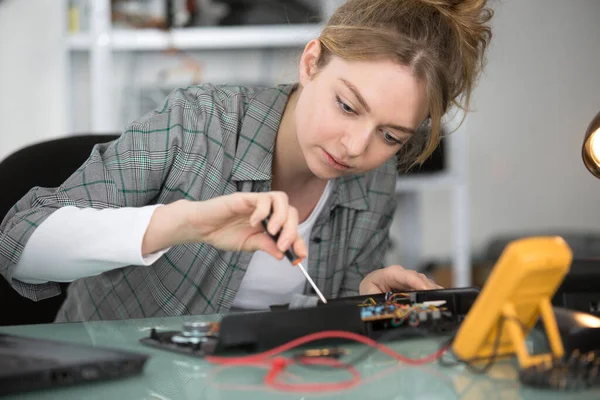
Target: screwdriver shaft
[[312, 283]]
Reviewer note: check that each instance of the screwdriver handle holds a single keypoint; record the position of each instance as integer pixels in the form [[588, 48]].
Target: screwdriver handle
[[289, 253]]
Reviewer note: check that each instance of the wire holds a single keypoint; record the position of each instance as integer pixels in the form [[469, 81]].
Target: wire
[[368, 302], [403, 333], [567, 373], [470, 363], [278, 364], [392, 367], [392, 298]]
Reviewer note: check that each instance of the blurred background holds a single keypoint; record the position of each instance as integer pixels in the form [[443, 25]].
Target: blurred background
[[512, 169]]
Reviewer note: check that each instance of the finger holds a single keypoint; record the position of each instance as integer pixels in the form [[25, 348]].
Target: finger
[[262, 241], [289, 232], [261, 211], [400, 278], [279, 201], [376, 282], [435, 285], [299, 247], [370, 286], [428, 282]]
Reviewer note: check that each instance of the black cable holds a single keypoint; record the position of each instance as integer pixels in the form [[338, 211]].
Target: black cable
[[490, 361], [577, 372]]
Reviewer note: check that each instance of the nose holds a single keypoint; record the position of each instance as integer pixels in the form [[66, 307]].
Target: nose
[[356, 142]]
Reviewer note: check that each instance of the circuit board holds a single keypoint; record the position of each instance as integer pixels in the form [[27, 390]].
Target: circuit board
[[400, 314]]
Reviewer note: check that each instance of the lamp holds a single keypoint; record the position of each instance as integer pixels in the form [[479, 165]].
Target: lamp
[[591, 147]]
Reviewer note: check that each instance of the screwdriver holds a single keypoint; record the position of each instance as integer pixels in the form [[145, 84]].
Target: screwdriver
[[293, 258]]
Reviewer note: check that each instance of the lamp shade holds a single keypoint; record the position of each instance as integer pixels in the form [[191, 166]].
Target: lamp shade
[[591, 147]]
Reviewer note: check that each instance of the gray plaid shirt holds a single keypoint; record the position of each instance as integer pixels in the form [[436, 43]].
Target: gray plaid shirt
[[206, 141]]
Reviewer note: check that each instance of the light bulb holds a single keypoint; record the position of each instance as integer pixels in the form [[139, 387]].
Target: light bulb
[[595, 146]]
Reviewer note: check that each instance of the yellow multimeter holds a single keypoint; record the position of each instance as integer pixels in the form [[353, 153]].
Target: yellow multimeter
[[517, 292]]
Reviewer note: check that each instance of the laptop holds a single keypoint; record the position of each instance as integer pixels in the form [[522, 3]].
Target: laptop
[[28, 364]]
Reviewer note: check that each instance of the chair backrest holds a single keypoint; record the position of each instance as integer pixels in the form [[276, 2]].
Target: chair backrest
[[45, 164]]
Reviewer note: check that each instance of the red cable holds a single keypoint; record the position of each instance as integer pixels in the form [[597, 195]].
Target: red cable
[[279, 364]]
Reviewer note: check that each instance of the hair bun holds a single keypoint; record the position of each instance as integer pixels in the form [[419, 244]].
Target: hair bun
[[461, 9], [468, 18], [458, 8], [450, 4]]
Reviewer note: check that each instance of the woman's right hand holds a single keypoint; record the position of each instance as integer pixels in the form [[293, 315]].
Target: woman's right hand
[[231, 222]]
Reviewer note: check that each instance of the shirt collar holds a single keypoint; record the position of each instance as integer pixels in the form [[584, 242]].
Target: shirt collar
[[256, 143], [350, 192]]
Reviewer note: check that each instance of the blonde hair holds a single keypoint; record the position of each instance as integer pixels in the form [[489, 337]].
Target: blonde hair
[[442, 41]]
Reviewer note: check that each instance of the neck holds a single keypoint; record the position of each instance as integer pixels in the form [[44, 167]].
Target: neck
[[290, 170]]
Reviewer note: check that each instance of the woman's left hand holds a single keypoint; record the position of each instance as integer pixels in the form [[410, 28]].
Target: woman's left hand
[[394, 278]]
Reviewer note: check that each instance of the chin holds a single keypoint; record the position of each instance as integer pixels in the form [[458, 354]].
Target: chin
[[322, 172]]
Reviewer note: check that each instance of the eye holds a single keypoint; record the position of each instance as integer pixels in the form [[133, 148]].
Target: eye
[[391, 139], [343, 106]]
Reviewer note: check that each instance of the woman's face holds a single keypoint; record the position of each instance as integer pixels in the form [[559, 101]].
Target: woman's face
[[352, 116]]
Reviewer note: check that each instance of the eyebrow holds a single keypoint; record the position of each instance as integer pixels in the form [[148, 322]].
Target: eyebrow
[[364, 104]]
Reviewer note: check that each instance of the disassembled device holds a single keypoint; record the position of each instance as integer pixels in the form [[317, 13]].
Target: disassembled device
[[385, 316]]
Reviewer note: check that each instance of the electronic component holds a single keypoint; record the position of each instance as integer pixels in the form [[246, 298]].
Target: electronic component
[[393, 311], [195, 332], [196, 337], [333, 352], [577, 371], [380, 311]]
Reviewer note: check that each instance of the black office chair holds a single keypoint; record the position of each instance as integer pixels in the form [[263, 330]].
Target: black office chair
[[45, 164]]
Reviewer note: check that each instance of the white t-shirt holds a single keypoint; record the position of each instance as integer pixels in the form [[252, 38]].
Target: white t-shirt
[[270, 281]]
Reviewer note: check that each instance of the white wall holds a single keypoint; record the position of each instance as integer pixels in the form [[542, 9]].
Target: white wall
[[540, 91], [32, 72], [541, 88]]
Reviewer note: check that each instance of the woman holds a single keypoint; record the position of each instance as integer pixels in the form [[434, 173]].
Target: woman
[[166, 220]]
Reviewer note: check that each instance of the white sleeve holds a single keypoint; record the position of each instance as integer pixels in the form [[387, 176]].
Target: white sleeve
[[73, 243]]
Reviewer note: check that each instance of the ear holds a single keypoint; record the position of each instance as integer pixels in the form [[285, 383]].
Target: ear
[[308, 61]]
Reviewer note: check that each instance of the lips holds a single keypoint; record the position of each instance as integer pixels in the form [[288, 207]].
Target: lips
[[339, 162], [335, 161]]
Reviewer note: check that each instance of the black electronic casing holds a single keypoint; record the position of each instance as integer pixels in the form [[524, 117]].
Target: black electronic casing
[[259, 331]]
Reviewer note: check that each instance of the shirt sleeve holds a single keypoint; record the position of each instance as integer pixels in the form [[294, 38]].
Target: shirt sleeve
[[73, 243], [131, 171], [373, 252]]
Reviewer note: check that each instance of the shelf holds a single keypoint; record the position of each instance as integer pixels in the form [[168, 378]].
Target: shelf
[[202, 38], [421, 182]]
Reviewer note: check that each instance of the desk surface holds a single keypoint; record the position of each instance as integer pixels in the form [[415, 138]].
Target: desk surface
[[176, 376]]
